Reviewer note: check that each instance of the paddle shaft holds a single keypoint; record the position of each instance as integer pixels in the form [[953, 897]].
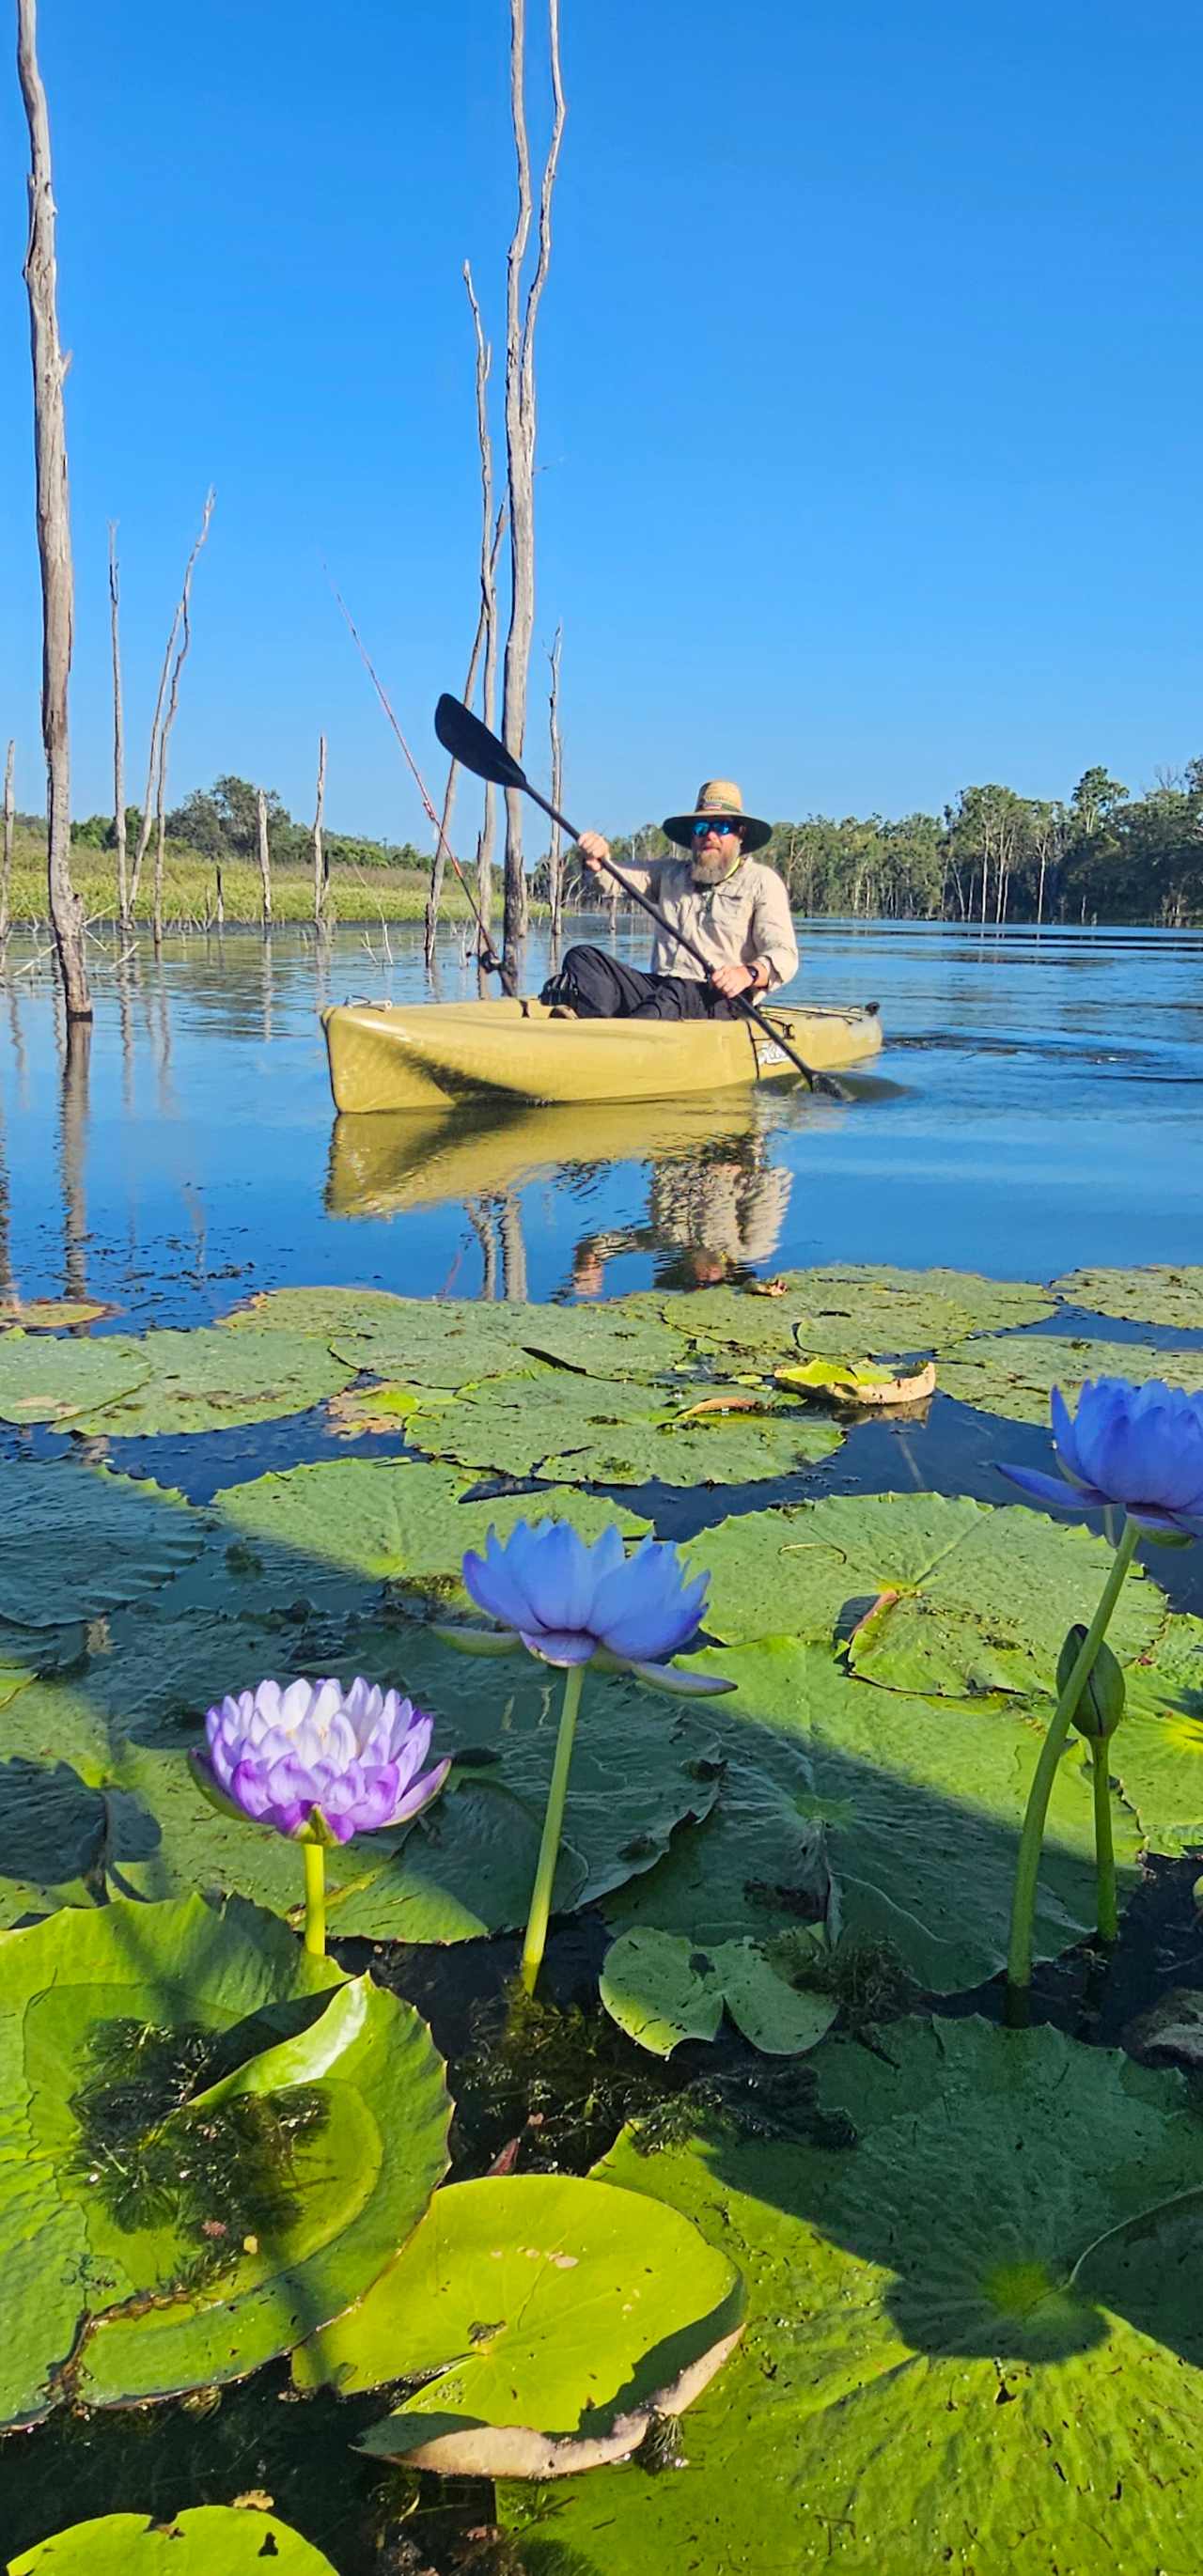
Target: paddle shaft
[[816, 1081]]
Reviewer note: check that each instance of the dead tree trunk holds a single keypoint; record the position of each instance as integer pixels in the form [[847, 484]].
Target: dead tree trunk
[[486, 635], [54, 523], [520, 437], [118, 726], [321, 865], [6, 858], [182, 627], [555, 858], [265, 856], [160, 726]]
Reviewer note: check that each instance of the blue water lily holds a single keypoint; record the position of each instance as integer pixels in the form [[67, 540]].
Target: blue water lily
[[571, 1603], [1135, 1448]]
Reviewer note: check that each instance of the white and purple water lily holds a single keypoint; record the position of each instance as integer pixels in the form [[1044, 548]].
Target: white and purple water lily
[[320, 1763], [1136, 1449], [571, 1603]]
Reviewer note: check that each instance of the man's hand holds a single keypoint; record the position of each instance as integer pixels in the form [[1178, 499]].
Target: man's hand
[[595, 851], [730, 980]]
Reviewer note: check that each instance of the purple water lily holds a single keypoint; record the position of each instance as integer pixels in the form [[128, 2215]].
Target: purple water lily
[[319, 1763], [1138, 1449], [571, 1603]]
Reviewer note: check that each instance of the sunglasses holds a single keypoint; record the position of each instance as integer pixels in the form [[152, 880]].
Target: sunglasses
[[712, 823]]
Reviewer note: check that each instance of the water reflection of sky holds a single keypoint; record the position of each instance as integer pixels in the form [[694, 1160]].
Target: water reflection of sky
[[1037, 1107]]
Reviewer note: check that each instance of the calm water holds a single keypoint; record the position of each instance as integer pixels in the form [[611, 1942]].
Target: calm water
[[1037, 1107]]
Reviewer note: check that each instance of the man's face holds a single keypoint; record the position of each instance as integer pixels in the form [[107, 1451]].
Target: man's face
[[716, 846]]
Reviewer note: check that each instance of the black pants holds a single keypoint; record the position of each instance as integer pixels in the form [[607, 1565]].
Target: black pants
[[597, 987]]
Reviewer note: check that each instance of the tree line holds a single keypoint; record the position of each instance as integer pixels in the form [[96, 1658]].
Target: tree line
[[221, 823], [994, 855]]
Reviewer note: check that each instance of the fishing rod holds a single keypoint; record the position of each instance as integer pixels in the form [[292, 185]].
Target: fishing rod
[[489, 958], [471, 744]]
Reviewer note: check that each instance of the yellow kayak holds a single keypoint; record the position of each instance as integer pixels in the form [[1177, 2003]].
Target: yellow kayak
[[427, 1055], [411, 1159]]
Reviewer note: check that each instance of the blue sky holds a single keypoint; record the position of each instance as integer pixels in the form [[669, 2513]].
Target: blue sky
[[870, 379]]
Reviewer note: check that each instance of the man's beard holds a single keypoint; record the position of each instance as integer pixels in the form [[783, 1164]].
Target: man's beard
[[711, 871]]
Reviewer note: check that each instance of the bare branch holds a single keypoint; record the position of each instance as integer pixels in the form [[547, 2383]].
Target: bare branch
[[54, 523], [486, 635], [265, 856], [183, 622], [118, 724], [555, 862]]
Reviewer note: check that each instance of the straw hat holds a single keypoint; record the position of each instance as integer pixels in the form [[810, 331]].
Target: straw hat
[[717, 796]]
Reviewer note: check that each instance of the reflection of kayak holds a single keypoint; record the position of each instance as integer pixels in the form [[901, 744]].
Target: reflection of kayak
[[436, 1053], [414, 1160]]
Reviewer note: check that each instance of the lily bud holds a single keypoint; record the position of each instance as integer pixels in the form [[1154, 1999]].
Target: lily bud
[[1101, 1704]]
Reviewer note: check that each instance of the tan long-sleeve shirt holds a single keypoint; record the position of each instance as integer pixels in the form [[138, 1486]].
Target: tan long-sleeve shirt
[[744, 919]]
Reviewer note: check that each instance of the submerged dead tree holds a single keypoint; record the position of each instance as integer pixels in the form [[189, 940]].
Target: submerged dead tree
[[6, 855], [182, 628], [520, 423], [265, 856], [161, 724], [555, 855], [321, 864], [118, 726], [54, 523], [491, 535]]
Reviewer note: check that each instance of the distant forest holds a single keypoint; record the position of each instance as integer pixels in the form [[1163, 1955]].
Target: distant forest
[[992, 855]]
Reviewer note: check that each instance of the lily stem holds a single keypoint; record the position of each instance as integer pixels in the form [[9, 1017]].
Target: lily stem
[[315, 1899], [1027, 1868], [553, 1826], [1104, 1845]]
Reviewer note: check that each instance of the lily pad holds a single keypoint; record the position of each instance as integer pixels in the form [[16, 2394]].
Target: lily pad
[[52, 1314], [196, 2164], [211, 1380], [662, 1990], [756, 1865], [930, 1592], [548, 2317], [874, 1311], [1157, 1753], [75, 1543], [437, 1342], [599, 1431], [1014, 1375], [56, 1381], [390, 1521], [1154, 1295], [939, 2371], [921, 1801], [321, 1311], [211, 2540]]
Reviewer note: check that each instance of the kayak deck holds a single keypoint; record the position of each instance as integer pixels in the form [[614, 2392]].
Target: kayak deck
[[429, 1054]]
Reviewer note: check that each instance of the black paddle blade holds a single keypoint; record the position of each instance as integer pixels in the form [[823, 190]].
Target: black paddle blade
[[471, 743]]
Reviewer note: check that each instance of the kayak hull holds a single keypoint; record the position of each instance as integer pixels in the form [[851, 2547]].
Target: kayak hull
[[441, 1054]]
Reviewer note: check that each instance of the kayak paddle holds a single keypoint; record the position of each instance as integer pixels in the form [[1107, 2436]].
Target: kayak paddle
[[470, 743]]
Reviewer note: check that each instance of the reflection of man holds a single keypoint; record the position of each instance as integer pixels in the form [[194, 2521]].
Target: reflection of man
[[732, 907], [709, 1214]]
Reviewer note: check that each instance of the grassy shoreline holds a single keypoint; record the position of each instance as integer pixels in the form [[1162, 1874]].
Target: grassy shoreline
[[190, 892]]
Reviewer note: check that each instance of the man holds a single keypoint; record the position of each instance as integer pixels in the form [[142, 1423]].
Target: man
[[734, 910]]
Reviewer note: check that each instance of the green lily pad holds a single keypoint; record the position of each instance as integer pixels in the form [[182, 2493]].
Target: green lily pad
[[1157, 1752], [438, 1342], [52, 1314], [195, 2167], [211, 1380], [75, 1543], [931, 1592], [662, 1990], [874, 1311], [938, 2371], [1014, 1375], [211, 2540], [322, 1311], [56, 1381], [548, 2317], [389, 1521], [922, 1802], [1155, 1295], [756, 1864], [26, 1652], [597, 1431]]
